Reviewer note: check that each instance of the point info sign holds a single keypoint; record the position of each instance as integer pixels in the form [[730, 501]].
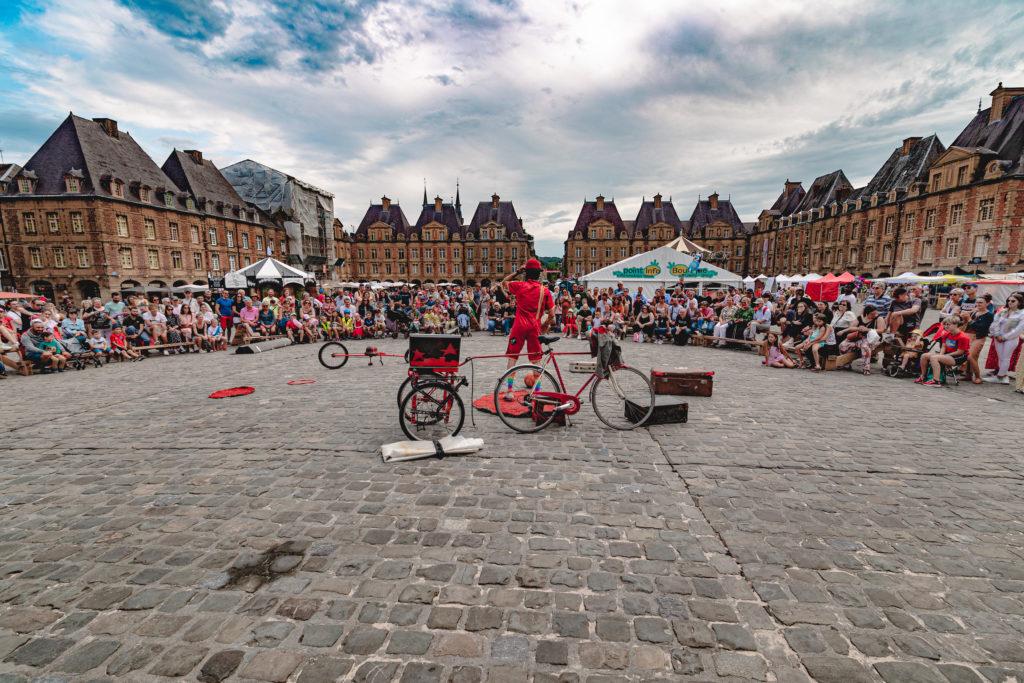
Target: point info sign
[[653, 270]]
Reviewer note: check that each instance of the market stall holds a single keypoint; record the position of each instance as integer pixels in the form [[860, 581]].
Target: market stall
[[661, 267]]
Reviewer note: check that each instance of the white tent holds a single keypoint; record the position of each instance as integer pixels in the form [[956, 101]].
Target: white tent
[[266, 270], [661, 267], [1001, 288], [685, 246]]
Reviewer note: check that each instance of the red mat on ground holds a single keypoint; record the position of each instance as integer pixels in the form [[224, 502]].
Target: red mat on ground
[[233, 391], [515, 407]]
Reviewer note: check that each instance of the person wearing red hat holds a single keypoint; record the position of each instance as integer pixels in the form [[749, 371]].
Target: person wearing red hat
[[534, 307]]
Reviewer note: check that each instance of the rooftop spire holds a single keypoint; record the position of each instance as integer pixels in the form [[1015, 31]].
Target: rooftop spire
[[425, 202], [458, 202]]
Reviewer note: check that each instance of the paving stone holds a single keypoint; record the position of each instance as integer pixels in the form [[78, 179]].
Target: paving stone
[[553, 652], [422, 672], [741, 665], [444, 617], [363, 640], [906, 672], [133, 659], [320, 635], [459, 645], [39, 651], [272, 665], [220, 666], [734, 637], [88, 656], [512, 648], [28, 619], [178, 661], [571, 624], [323, 670], [836, 670], [409, 642]]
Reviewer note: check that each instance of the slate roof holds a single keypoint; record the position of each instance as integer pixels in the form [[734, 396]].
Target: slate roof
[[900, 170], [505, 215], [394, 217], [703, 216], [831, 187], [788, 201], [203, 180], [610, 213], [648, 215], [1005, 137], [82, 144], [447, 216]]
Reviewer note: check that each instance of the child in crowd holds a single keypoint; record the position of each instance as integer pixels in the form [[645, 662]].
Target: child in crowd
[[775, 354], [60, 354], [569, 326], [119, 346], [914, 346], [99, 346], [214, 336], [953, 350]]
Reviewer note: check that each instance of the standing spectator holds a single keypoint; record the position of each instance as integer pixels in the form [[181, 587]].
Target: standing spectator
[[1006, 330], [225, 309], [115, 307], [97, 318], [979, 320]]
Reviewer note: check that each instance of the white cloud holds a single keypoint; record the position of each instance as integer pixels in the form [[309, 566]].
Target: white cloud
[[545, 102]]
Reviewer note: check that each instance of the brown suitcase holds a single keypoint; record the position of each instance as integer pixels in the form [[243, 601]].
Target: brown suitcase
[[683, 382]]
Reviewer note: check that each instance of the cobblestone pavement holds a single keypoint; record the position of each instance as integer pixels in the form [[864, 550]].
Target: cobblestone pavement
[[829, 527]]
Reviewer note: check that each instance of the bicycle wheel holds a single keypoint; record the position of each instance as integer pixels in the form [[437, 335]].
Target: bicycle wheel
[[514, 400], [406, 386], [431, 411], [327, 357], [625, 400]]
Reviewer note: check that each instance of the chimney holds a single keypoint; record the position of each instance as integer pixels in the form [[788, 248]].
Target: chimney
[[196, 155], [494, 201], [599, 201], [907, 144], [385, 203], [791, 185], [437, 204], [109, 126], [657, 201], [1001, 98], [713, 200]]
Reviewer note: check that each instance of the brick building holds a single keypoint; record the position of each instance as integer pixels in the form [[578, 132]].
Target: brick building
[[439, 246], [715, 225], [91, 212], [601, 238], [928, 209]]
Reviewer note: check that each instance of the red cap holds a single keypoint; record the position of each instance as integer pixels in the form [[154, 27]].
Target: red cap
[[533, 264]]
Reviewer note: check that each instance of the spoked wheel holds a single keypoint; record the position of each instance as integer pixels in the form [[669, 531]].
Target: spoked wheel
[[514, 397], [406, 386], [625, 400], [431, 411], [329, 357]]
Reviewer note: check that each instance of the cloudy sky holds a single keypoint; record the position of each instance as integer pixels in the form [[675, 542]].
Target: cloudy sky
[[545, 102]]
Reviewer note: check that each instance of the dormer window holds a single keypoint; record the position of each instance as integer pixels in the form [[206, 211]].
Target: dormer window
[[168, 199], [72, 184], [191, 204], [24, 185], [117, 188]]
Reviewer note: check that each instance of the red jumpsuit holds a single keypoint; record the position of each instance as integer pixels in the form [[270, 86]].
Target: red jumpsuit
[[526, 326]]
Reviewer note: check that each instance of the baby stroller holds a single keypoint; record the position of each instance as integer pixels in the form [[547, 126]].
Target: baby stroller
[[894, 355], [397, 322]]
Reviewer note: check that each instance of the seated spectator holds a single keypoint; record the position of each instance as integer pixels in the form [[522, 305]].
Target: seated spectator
[[913, 348], [775, 354], [99, 346], [73, 327], [761, 321], [863, 337], [979, 320], [798, 323], [215, 336], [903, 314], [32, 344], [248, 324], [156, 326], [721, 330], [842, 317], [955, 348], [820, 343], [119, 346]]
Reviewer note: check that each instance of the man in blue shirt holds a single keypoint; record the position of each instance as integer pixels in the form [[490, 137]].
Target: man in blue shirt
[[879, 300], [225, 309]]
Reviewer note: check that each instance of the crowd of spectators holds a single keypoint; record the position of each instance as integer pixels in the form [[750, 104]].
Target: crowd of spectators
[[786, 326]]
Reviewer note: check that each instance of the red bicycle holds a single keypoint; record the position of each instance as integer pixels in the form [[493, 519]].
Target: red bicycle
[[429, 405], [622, 397]]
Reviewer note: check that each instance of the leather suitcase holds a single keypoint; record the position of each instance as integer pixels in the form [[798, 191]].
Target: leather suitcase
[[667, 410], [683, 382]]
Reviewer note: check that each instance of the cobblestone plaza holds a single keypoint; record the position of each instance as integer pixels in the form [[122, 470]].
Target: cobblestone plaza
[[800, 527]]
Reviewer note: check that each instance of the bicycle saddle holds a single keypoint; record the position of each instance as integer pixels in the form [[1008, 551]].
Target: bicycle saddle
[[547, 339]]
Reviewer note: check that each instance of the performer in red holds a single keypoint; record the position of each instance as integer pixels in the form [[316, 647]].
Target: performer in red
[[534, 310]]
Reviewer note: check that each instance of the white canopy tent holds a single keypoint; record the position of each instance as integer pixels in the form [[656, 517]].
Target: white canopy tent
[[685, 246], [1001, 288], [661, 267], [266, 270]]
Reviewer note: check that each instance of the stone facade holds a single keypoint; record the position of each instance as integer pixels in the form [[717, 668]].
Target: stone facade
[[601, 238], [928, 210], [715, 225], [439, 246], [91, 213]]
